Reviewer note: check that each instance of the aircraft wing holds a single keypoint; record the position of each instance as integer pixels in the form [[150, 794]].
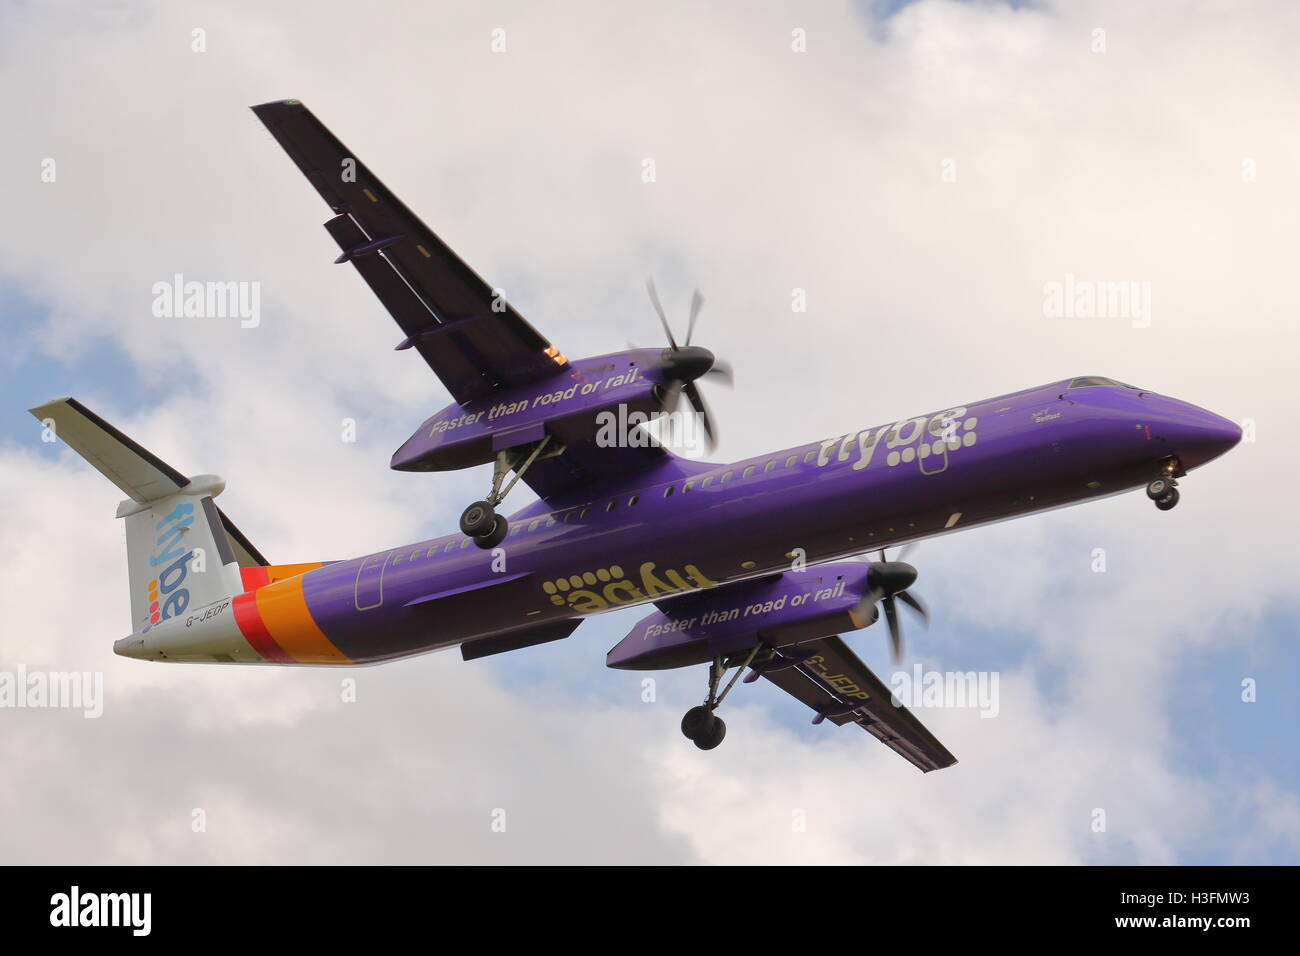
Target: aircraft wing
[[835, 683], [472, 338]]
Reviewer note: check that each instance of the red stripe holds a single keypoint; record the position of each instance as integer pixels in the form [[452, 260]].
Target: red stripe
[[250, 625], [254, 578]]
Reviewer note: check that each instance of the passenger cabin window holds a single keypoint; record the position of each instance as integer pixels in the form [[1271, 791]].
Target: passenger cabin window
[[1089, 381], [451, 546], [688, 486], [807, 459], [726, 477], [769, 466], [633, 500], [789, 462], [706, 482], [610, 506], [668, 492], [532, 525], [746, 473]]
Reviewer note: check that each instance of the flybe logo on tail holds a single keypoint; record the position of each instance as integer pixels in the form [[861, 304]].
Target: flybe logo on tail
[[167, 597]]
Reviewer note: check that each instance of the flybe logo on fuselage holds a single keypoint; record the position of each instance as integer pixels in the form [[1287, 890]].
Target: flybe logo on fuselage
[[911, 440], [605, 588], [167, 597]]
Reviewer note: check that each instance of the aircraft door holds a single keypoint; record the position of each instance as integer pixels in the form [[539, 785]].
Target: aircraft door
[[369, 591]]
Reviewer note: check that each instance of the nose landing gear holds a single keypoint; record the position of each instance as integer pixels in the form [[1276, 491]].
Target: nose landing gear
[[1164, 490]]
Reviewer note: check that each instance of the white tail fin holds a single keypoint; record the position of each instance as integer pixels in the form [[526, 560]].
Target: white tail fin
[[179, 547]]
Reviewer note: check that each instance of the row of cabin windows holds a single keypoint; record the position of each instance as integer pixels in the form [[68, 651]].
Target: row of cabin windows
[[580, 513], [749, 470]]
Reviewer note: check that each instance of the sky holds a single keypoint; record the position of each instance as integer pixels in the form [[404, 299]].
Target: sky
[[921, 171]]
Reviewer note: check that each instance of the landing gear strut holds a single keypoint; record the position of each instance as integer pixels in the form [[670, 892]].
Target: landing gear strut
[[700, 724], [480, 521], [1164, 490]]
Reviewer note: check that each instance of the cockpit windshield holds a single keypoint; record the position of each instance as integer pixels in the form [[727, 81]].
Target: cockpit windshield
[[1088, 381]]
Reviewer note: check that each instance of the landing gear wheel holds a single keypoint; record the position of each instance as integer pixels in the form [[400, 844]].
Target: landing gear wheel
[[713, 735], [1168, 501], [697, 721], [495, 536], [478, 519], [1160, 488]]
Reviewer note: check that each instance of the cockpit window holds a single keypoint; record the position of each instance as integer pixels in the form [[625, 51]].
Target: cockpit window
[[1087, 381]]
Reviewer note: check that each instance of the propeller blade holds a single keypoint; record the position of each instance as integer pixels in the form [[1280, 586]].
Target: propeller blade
[[659, 309], [916, 604], [722, 371], [697, 300], [697, 400], [895, 632], [673, 394]]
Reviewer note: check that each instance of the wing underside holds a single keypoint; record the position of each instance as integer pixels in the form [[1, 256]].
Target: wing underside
[[835, 683]]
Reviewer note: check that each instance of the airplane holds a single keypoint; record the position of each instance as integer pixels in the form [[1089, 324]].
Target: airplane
[[752, 566]]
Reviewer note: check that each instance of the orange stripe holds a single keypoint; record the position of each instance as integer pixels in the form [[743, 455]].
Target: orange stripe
[[284, 610], [278, 572], [254, 630]]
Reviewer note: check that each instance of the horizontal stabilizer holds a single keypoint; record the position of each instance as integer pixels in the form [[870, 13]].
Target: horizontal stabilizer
[[138, 472], [141, 475]]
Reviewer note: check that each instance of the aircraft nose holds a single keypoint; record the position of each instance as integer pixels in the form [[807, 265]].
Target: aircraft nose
[[1197, 435]]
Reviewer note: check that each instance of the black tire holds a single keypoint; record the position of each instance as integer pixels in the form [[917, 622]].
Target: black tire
[[495, 536], [713, 736], [696, 721], [478, 519], [1168, 501], [1159, 488]]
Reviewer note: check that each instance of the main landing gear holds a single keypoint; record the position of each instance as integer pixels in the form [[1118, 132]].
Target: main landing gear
[[700, 724], [1164, 490], [480, 521]]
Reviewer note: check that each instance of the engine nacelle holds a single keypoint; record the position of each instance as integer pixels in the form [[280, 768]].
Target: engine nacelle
[[567, 407], [791, 608]]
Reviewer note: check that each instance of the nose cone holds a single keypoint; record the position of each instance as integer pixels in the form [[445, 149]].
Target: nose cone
[[1196, 435], [890, 577], [687, 362]]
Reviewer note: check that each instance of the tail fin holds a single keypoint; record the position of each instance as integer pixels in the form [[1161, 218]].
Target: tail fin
[[181, 551]]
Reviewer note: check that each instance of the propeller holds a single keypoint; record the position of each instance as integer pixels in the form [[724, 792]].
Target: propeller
[[683, 364], [889, 581]]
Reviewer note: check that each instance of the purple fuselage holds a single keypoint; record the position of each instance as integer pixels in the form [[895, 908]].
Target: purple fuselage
[[687, 525]]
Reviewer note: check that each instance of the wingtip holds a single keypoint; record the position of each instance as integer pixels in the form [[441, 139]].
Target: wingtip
[[272, 104], [45, 406]]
